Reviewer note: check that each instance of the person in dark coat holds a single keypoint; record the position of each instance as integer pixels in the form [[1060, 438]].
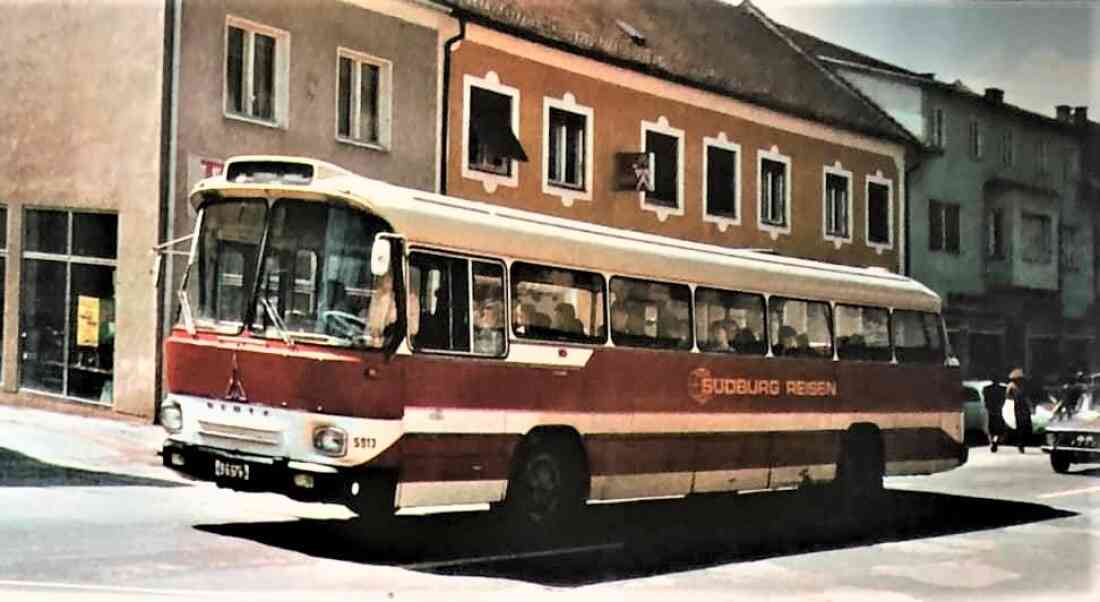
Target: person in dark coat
[[1021, 407], [993, 395]]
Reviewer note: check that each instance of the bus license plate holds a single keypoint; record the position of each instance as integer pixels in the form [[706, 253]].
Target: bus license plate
[[230, 470]]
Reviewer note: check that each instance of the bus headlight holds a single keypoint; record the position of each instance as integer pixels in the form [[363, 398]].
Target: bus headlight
[[171, 417], [330, 440]]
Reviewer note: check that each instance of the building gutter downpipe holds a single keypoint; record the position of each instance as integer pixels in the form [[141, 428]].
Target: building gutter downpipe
[[445, 108], [167, 188]]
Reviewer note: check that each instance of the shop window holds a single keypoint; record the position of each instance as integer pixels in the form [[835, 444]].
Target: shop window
[[557, 304], [729, 322], [256, 71], [863, 333], [67, 309], [800, 328], [363, 99]]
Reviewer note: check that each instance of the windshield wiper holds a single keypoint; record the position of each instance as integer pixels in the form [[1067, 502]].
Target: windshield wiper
[[275, 319]]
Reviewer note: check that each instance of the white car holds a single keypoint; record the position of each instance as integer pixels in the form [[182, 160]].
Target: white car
[[976, 417]]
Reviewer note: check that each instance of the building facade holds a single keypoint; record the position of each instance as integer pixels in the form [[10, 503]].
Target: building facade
[[115, 111], [550, 108], [1000, 222]]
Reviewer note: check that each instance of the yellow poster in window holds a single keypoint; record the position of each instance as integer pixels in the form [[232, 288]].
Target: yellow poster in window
[[87, 321]]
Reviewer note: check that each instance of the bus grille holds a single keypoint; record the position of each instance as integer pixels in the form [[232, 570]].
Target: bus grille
[[238, 433]]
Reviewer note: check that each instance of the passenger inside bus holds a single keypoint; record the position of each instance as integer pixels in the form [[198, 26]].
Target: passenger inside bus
[[719, 337], [619, 317], [565, 319], [489, 329], [787, 343]]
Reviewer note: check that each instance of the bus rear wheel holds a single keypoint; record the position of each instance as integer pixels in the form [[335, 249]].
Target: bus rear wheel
[[547, 485], [1059, 461]]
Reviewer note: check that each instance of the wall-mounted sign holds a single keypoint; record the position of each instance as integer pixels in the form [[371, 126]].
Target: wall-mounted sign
[[634, 171], [87, 321]]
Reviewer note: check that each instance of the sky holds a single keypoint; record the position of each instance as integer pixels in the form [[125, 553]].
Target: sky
[[1041, 54]]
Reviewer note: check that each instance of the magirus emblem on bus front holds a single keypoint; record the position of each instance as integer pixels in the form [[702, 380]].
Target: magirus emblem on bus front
[[235, 390]]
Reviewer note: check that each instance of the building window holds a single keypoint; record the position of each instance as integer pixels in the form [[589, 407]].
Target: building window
[[1036, 237], [67, 309], [1070, 249], [363, 98], [975, 139], [567, 149], [721, 181], [936, 131], [837, 200], [491, 121], [1067, 166], [1008, 149], [943, 226], [667, 146], [257, 60], [995, 234], [773, 192], [1041, 157], [880, 212]]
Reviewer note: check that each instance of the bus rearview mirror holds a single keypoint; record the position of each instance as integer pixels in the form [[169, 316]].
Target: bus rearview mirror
[[380, 257]]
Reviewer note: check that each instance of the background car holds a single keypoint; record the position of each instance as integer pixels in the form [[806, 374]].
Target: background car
[[1076, 437]]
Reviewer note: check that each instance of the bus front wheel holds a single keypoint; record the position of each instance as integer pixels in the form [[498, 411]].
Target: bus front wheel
[[547, 484]]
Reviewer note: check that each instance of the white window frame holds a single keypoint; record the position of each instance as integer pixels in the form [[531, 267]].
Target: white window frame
[[385, 98], [878, 178], [975, 139], [1008, 148], [281, 85], [773, 155], [492, 83], [722, 142], [661, 126], [836, 170], [568, 103]]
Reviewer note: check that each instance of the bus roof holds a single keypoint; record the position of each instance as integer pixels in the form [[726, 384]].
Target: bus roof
[[489, 230]]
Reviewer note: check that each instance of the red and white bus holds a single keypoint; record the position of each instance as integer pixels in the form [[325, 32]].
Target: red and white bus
[[341, 339]]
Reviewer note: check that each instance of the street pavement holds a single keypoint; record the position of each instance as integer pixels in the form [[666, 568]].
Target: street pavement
[[88, 513]]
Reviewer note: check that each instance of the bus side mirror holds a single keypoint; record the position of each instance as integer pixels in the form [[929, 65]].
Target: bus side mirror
[[380, 257]]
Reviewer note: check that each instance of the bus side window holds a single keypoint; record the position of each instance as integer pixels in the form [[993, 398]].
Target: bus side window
[[557, 304], [800, 328], [917, 337], [652, 314], [443, 282], [862, 333], [488, 308], [729, 322]]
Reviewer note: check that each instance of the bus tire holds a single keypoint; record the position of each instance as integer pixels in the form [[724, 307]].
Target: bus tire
[[861, 466], [1060, 462], [548, 482]]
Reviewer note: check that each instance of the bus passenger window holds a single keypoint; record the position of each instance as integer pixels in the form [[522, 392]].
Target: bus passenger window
[[862, 333], [488, 308], [800, 328], [651, 314], [729, 322], [917, 337], [443, 283], [557, 304]]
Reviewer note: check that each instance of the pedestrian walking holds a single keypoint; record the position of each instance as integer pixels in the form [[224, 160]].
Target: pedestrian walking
[[1021, 407], [993, 395]]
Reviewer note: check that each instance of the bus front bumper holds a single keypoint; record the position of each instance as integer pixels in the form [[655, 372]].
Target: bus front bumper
[[247, 472]]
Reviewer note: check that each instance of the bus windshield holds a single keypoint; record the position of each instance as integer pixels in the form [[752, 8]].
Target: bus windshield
[[314, 281]]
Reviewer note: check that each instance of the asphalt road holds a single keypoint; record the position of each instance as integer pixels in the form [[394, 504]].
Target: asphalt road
[[87, 513]]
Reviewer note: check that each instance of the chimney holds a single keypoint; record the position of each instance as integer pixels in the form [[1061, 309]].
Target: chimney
[[996, 95], [1063, 113], [1081, 115]]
